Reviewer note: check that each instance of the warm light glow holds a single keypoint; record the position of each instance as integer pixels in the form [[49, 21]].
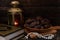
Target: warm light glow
[[15, 23], [15, 2]]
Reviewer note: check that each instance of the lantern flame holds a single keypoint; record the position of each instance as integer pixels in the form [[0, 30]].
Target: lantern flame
[[15, 23]]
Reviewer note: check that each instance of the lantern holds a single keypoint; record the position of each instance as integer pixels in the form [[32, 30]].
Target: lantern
[[14, 14]]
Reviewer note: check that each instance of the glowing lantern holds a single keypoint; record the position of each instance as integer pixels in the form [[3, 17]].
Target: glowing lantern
[[14, 10]]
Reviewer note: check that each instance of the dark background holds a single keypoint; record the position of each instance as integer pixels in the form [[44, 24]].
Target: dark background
[[46, 8]]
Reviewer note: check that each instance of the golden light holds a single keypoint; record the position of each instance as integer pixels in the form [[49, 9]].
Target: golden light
[[15, 2]]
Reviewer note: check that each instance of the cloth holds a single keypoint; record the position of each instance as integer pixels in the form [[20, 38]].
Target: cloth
[[48, 36], [2, 38]]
